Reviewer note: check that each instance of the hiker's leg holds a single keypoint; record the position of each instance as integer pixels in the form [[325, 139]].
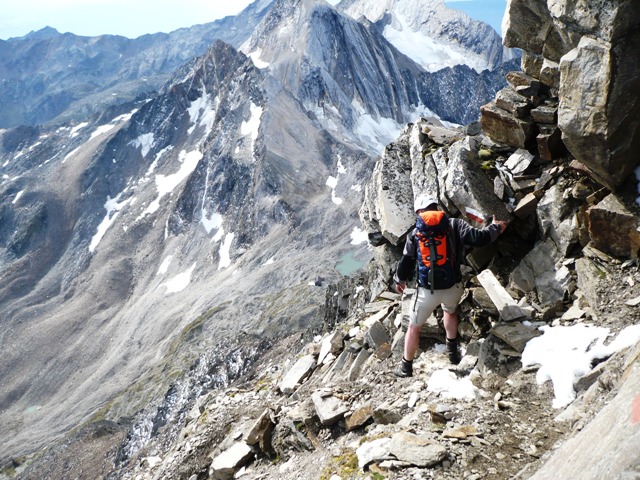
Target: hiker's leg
[[451, 298], [411, 340], [423, 305], [450, 321]]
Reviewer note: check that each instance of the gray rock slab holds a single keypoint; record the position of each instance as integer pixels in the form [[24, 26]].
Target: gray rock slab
[[373, 451], [515, 334], [506, 305], [329, 408], [295, 376], [358, 364], [418, 450], [332, 343], [377, 335], [225, 465], [519, 161]]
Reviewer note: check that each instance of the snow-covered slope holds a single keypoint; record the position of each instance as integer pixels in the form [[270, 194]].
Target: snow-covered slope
[[432, 34]]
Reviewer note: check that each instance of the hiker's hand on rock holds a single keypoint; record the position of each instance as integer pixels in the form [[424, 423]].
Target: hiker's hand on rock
[[400, 287], [501, 223]]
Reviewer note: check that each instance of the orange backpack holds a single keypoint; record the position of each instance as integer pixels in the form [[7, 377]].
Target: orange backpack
[[436, 252]]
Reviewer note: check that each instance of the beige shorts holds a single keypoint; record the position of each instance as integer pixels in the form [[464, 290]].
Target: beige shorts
[[426, 302]]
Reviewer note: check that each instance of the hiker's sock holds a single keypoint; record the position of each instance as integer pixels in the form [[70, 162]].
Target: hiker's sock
[[405, 369], [452, 351]]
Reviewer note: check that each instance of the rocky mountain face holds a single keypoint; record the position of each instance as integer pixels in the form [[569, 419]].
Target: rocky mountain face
[[48, 76], [432, 34], [156, 249]]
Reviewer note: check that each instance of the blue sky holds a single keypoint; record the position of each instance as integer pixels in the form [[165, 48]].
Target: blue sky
[[133, 18], [490, 11]]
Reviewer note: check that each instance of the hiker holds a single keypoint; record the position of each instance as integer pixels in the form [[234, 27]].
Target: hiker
[[440, 240]]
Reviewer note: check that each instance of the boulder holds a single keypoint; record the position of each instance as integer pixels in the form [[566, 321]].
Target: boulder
[[359, 417], [373, 451], [329, 408], [225, 465], [503, 127], [417, 450], [379, 340], [518, 161], [428, 168], [590, 276], [506, 305], [550, 145], [331, 343], [541, 271], [613, 228], [261, 430], [515, 334], [388, 202], [469, 188], [360, 360], [513, 102], [556, 221], [297, 374]]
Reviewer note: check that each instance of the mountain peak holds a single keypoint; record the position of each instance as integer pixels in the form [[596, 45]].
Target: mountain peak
[[432, 34], [43, 33]]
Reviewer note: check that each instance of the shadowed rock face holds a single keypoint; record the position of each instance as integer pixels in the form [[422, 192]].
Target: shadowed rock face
[[592, 47]]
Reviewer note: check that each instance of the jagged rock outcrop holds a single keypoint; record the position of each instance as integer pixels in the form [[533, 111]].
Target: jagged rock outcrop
[[581, 59]]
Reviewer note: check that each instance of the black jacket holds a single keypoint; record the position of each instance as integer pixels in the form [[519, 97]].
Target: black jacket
[[464, 234]]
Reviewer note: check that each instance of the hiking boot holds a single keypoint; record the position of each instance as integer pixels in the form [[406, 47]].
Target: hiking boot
[[452, 351], [405, 369]]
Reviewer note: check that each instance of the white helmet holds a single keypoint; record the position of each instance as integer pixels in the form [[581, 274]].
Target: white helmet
[[424, 201]]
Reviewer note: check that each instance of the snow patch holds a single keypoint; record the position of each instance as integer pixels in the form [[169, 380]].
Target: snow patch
[[180, 281], [164, 266], [145, 142], [75, 131], [202, 113], [211, 222], [377, 133], [18, 195], [252, 126], [225, 251], [255, 58], [113, 209], [428, 53], [102, 129], [167, 183], [565, 354], [71, 154], [448, 385], [359, 236]]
